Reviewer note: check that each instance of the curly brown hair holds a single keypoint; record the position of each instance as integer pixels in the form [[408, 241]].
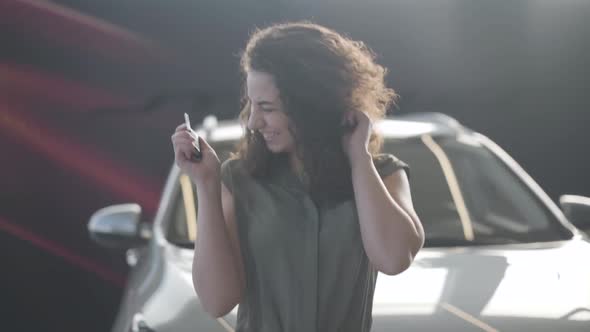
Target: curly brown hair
[[320, 75]]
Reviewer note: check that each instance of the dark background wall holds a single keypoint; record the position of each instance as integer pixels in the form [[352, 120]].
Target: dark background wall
[[75, 136]]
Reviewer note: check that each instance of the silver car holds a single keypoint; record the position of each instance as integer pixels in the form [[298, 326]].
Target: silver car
[[499, 254]]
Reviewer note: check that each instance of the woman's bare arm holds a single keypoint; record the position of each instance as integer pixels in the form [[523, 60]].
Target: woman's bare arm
[[218, 274], [391, 231]]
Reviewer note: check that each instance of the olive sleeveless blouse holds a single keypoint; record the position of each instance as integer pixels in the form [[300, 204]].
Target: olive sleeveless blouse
[[305, 266]]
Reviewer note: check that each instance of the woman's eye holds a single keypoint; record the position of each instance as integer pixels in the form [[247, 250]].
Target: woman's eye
[[267, 109]]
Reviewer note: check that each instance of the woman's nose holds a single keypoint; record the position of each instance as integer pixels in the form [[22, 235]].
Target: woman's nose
[[255, 121]]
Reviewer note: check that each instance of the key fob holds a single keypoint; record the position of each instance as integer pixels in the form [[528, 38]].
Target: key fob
[[196, 155]]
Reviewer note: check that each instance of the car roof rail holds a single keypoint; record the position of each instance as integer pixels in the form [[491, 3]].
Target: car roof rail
[[432, 117]]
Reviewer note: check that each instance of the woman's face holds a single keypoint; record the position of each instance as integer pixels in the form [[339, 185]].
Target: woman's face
[[267, 115]]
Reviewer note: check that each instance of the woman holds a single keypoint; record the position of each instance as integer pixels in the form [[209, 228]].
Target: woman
[[296, 225]]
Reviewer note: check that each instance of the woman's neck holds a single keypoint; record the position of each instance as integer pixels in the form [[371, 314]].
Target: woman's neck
[[298, 168], [295, 163]]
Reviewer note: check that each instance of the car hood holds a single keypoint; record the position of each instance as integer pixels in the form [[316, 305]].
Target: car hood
[[529, 287], [532, 287]]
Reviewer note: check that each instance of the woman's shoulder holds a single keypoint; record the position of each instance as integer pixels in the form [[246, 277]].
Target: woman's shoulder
[[386, 164], [232, 169], [232, 164]]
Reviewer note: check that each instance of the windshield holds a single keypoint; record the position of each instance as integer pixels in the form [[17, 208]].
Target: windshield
[[463, 194]]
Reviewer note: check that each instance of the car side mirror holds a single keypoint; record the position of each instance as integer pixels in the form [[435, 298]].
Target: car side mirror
[[119, 226], [577, 210]]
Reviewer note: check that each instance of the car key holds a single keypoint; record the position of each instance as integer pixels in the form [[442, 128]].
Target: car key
[[196, 155]]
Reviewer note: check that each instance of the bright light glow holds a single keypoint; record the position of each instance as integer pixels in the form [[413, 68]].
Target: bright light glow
[[401, 129], [400, 295], [542, 286], [227, 133]]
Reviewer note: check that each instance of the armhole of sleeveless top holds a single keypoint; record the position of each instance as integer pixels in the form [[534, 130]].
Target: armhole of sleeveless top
[[226, 174], [387, 164]]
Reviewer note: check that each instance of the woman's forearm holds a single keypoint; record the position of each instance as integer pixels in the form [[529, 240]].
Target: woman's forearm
[[215, 274], [390, 236]]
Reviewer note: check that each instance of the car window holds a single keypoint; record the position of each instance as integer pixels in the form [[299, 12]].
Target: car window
[[464, 194]]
